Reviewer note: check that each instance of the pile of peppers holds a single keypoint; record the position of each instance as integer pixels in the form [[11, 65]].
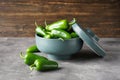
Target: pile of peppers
[[37, 62], [57, 30]]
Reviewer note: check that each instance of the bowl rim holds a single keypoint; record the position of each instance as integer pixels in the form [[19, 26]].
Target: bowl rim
[[58, 39]]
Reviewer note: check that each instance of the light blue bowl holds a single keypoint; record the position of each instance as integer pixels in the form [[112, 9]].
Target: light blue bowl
[[58, 49]]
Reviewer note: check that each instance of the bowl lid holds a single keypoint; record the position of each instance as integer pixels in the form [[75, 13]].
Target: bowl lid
[[89, 38]]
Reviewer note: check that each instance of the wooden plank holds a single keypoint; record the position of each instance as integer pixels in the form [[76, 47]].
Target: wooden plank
[[17, 17]]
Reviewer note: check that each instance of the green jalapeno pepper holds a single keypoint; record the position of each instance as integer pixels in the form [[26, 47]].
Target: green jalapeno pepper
[[47, 36], [44, 65], [74, 35], [32, 48], [41, 31], [61, 24], [29, 58], [61, 34]]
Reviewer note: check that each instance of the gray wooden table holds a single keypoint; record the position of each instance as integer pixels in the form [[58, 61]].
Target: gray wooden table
[[85, 65]]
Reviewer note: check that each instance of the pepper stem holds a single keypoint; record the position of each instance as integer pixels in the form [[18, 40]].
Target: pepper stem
[[71, 23], [36, 24], [21, 55], [32, 67], [45, 23]]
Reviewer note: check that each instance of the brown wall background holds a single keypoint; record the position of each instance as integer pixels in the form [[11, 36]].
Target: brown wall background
[[17, 16]]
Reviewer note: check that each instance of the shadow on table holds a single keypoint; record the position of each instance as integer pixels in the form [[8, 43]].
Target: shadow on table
[[89, 55], [85, 55], [59, 68]]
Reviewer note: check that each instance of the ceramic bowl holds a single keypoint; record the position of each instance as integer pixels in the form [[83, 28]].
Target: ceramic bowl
[[58, 49]]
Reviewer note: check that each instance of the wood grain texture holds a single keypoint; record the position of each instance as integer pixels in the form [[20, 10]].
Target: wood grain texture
[[17, 16]]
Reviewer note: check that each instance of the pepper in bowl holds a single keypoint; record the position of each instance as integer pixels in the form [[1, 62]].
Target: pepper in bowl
[[58, 40]]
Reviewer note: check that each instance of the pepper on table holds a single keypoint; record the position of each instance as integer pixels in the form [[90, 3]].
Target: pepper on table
[[32, 48], [29, 58], [44, 65], [37, 62]]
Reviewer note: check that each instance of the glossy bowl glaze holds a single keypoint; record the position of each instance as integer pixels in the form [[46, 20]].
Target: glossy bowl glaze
[[58, 49]]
